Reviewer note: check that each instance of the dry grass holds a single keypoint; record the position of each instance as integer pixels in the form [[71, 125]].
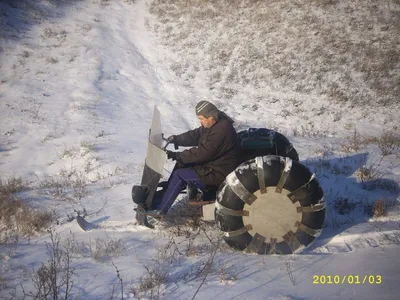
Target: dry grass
[[372, 178], [76, 152], [55, 277], [388, 142], [3, 282], [343, 206], [227, 275], [12, 185], [150, 284], [15, 215], [353, 143], [99, 249], [367, 174], [302, 46], [58, 189], [188, 238], [70, 187], [290, 273], [103, 250], [392, 238], [379, 208]]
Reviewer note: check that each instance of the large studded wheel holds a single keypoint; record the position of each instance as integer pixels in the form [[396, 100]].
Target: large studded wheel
[[270, 205]]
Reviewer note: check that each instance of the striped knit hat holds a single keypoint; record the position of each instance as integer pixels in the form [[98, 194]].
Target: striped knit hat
[[206, 109]]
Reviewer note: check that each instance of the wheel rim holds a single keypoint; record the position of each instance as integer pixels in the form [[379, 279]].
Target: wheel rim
[[272, 215]]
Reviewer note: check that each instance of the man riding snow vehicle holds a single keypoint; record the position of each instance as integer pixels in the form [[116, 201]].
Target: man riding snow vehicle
[[214, 154]]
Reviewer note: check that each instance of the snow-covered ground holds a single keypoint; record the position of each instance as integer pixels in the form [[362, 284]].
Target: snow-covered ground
[[78, 83]]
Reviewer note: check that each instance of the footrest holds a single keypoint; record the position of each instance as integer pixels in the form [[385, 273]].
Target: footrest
[[141, 217], [200, 203], [153, 213], [208, 212]]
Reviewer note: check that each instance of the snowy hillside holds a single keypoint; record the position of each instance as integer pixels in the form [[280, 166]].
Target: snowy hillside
[[78, 84]]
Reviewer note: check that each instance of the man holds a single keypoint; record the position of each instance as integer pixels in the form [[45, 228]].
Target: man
[[214, 154]]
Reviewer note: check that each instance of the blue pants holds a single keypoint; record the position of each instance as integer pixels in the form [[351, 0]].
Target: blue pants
[[176, 183]]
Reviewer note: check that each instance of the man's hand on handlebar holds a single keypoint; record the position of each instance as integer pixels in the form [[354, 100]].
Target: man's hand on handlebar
[[171, 139], [172, 155]]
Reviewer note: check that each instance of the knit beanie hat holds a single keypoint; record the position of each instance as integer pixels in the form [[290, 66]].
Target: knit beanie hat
[[206, 109]]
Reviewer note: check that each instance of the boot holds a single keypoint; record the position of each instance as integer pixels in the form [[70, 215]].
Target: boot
[[139, 194], [192, 191], [163, 185]]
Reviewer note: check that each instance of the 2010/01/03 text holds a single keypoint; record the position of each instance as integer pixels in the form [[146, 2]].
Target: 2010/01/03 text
[[349, 279]]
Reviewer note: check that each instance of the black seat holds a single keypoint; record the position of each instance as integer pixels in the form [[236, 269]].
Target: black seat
[[210, 193]]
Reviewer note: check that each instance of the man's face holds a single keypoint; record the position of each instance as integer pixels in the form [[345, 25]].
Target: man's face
[[206, 122]]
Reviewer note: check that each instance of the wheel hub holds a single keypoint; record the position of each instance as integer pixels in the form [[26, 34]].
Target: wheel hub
[[272, 215]]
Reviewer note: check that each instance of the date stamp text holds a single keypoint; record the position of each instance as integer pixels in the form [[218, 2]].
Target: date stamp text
[[347, 279]]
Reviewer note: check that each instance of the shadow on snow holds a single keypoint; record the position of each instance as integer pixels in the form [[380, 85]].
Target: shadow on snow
[[348, 200]]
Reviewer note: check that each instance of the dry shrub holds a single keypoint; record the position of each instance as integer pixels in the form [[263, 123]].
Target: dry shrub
[[183, 219], [168, 253], [79, 186], [12, 185], [76, 247], [290, 273], [392, 238], [151, 283], [58, 189], [353, 143], [72, 186], [179, 248], [343, 206], [55, 277], [388, 142], [30, 221], [106, 249], [227, 275], [16, 215], [368, 174], [379, 208], [3, 282]]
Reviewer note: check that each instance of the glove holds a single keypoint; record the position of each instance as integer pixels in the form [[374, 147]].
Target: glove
[[172, 155], [171, 139]]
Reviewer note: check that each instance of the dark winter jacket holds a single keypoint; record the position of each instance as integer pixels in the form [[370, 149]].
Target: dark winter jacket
[[216, 152]]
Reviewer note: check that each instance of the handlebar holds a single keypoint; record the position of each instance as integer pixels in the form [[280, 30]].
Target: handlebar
[[167, 144]]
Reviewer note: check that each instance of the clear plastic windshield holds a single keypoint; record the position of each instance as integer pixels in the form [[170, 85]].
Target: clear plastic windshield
[[155, 131], [155, 157]]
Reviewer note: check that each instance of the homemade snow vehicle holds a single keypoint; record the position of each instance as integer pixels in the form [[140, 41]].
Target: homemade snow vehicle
[[270, 204]]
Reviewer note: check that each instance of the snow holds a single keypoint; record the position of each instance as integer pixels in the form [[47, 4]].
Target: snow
[[288, 165], [78, 84]]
